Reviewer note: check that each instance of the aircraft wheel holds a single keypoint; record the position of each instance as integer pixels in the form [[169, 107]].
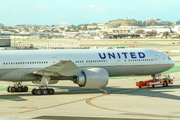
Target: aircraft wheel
[[45, 92], [51, 91], [165, 84], [8, 88], [38, 91], [12, 89], [25, 89], [19, 89], [33, 91]]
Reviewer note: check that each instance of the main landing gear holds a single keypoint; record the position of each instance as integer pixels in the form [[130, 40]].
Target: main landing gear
[[17, 88], [43, 90]]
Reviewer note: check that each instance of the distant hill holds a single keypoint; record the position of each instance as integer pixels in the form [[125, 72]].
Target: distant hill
[[1, 24], [133, 22], [125, 22]]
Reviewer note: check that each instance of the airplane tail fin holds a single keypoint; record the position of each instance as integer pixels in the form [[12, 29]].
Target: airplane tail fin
[[171, 30]]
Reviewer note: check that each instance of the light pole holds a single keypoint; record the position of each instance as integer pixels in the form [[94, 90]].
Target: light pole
[[23, 41]]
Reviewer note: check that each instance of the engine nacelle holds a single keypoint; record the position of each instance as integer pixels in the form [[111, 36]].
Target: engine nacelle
[[93, 78]]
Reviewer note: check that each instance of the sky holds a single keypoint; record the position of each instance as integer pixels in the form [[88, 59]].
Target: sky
[[53, 12]]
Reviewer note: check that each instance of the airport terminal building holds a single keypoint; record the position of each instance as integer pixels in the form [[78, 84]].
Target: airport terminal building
[[119, 33]]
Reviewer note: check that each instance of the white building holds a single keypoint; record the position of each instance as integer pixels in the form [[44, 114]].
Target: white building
[[153, 19], [133, 28], [20, 26], [177, 28], [159, 30], [177, 22], [155, 27], [70, 33], [63, 24]]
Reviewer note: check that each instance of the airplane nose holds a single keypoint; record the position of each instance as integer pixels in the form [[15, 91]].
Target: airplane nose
[[171, 63]]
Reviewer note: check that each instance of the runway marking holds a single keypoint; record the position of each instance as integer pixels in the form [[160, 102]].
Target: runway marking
[[24, 107], [135, 113], [53, 106]]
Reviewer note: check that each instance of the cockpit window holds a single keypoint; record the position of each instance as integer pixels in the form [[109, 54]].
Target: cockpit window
[[169, 58]]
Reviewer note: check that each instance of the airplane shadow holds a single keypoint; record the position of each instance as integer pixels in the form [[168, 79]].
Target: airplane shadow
[[162, 92]]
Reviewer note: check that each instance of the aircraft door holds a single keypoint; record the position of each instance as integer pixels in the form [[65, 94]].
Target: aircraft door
[[54, 60], [157, 59], [119, 62]]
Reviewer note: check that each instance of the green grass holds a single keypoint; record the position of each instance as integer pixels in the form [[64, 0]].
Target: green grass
[[2, 88], [124, 22], [153, 44], [172, 70]]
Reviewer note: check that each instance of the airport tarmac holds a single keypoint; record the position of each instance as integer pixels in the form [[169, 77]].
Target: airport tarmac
[[120, 100]]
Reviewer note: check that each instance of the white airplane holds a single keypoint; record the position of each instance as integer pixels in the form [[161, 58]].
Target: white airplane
[[89, 68]]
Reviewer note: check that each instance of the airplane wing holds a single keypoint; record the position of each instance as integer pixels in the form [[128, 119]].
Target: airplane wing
[[62, 68]]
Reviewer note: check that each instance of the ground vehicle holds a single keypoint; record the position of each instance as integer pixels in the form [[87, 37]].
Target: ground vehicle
[[161, 82]]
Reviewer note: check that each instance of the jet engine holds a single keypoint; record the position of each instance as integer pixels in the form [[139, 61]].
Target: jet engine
[[92, 78]]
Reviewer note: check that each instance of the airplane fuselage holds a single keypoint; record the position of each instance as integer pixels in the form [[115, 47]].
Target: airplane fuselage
[[18, 65]]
